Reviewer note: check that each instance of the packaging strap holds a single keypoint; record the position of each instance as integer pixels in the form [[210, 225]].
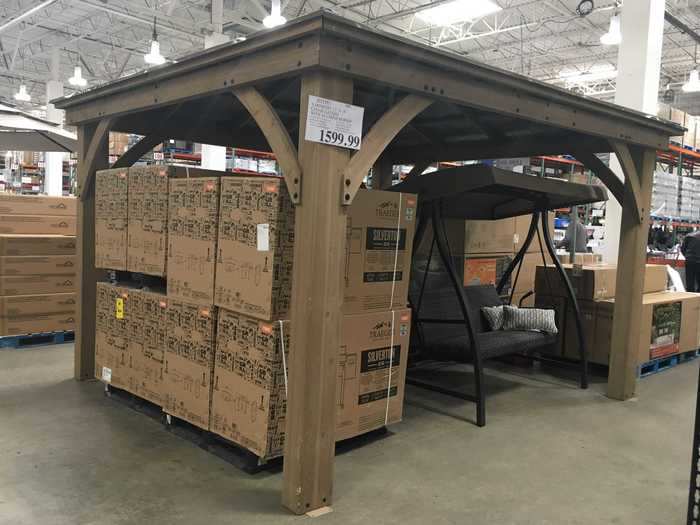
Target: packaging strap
[[284, 358], [391, 364], [396, 253]]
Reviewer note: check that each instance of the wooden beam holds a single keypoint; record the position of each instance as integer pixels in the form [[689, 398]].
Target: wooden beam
[[317, 294], [383, 174], [277, 136], [603, 172], [624, 349], [138, 150], [88, 164], [377, 139], [624, 156], [418, 169], [93, 146]]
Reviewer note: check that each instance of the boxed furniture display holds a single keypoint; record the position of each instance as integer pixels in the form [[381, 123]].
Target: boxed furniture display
[[189, 361], [38, 224], [111, 219], [38, 265], [249, 392], [25, 314], [112, 328], [256, 239], [193, 210], [147, 229], [11, 204], [36, 284], [19, 245]]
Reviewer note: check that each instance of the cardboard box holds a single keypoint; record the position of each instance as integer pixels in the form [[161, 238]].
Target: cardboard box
[[527, 271], [655, 278], [147, 342], [256, 238], [147, 220], [38, 224], [486, 237], [111, 219], [589, 317], [38, 265], [113, 358], [11, 204], [36, 284], [18, 245], [15, 306], [558, 304], [193, 211], [522, 226], [37, 323], [486, 269], [189, 361], [585, 259], [249, 399]]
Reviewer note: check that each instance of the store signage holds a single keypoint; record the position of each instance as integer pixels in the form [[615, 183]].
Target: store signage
[[158, 155], [335, 123]]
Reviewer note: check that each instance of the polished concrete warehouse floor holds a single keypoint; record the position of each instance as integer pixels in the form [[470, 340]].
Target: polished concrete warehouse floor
[[550, 454]]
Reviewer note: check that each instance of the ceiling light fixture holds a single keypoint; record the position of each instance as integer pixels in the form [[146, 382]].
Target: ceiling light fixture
[[77, 78], [154, 57], [22, 95], [614, 36], [275, 18], [596, 73], [693, 83], [457, 11]]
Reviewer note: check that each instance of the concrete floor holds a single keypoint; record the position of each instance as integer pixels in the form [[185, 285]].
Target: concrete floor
[[550, 454]]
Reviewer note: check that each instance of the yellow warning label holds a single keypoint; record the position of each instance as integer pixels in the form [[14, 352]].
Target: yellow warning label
[[119, 308]]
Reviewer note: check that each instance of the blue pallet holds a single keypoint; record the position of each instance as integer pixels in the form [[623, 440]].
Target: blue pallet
[[664, 363], [44, 338]]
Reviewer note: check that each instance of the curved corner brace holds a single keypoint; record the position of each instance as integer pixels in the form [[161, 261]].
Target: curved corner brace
[[138, 150], [418, 168], [377, 139], [86, 173], [632, 176], [277, 136], [603, 172]]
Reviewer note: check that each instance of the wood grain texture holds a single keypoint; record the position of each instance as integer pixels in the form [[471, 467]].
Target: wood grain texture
[[624, 155]]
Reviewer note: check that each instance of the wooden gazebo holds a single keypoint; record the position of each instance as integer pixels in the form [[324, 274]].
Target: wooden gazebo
[[420, 105]]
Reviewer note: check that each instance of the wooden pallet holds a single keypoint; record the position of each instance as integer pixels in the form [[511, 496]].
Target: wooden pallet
[[43, 338]]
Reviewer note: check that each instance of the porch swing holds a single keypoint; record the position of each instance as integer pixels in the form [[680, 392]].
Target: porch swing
[[482, 193]]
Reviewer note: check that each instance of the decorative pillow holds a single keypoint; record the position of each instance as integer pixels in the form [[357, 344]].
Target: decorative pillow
[[529, 319], [494, 316]]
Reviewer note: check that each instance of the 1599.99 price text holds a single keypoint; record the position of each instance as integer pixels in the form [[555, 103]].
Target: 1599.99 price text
[[339, 139]]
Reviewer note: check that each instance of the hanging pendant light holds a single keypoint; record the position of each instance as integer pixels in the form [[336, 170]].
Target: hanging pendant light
[[77, 78], [693, 83], [22, 95], [275, 17], [154, 57], [614, 36]]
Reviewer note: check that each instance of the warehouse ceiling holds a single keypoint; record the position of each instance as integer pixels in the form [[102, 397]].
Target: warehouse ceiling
[[544, 39]]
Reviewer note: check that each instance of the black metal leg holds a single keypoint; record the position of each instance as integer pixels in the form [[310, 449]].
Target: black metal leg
[[574, 303], [521, 253], [441, 243]]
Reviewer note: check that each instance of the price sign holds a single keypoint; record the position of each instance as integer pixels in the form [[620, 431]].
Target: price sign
[[335, 123], [158, 155]]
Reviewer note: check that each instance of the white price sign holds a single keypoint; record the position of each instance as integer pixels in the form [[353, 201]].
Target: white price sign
[[335, 123], [158, 155]]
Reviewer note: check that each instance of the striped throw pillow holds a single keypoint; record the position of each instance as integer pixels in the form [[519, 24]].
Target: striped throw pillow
[[536, 319], [494, 316]]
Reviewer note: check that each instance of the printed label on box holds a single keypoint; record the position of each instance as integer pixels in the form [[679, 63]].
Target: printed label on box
[[106, 374], [119, 308], [665, 330], [263, 237]]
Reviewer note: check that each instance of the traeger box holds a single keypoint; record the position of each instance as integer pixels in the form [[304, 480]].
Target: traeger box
[[147, 220], [38, 265], [189, 361], [112, 327], [111, 208], [36, 284], [486, 269], [147, 341], [37, 205], [255, 247], [193, 209], [249, 395], [17, 245], [256, 238], [24, 314], [38, 224]]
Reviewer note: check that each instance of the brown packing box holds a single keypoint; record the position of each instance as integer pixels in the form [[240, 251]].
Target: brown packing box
[[38, 265], [111, 208], [193, 207], [558, 304], [38, 224], [599, 354], [36, 284], [486, 269], [189, 361], [249, 400], [522, 226], [17, 245], [37, 205], [37, 323], [594, 282], [256, 236], [486, 237], [113, 317], [526, 272], [147, 220], [147, 341], [581, 258]]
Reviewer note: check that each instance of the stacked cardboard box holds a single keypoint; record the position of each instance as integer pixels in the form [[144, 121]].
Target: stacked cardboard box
[[147, 228], [594, 287], [111, 219], [253, 291], [37, 266]]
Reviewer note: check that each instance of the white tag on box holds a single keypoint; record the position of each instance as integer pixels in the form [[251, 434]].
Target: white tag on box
[[106, 374], [263, 237]]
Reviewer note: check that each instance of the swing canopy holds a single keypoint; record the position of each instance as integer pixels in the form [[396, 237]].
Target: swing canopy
[[479, 192]]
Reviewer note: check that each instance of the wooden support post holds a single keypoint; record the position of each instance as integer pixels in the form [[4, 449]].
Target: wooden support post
[[93, 149], [624, 347], [383, 174], [317, 293]]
